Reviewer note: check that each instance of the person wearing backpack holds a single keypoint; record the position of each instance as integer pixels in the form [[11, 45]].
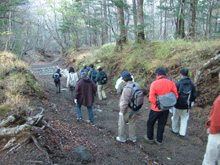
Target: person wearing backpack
[[56, 76], [129, 108], [161, 86], [84, 95], [92, 73], [72, 79], [84, 69], [187, 95], [101, 79]]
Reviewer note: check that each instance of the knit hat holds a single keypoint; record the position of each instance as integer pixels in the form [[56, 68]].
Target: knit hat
[[161, 71], [126, 76], [184, 72]]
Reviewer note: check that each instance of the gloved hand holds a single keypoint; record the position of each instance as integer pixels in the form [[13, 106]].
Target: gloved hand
[[75, 101], [120, 113], [207, 131], [192, 104]]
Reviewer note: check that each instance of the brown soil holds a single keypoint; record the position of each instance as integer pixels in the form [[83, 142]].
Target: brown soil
[[100, 139]]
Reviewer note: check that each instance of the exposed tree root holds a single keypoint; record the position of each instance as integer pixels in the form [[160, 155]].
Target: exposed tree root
[[19, 130], [42, 150]]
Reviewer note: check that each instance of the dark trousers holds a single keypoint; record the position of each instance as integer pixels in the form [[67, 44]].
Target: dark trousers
[[57, 84], [162, 120]]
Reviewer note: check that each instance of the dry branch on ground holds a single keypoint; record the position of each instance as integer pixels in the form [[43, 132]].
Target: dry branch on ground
[[19, 130]]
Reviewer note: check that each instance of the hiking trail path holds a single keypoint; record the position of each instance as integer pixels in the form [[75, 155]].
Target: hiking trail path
[[101, 137]]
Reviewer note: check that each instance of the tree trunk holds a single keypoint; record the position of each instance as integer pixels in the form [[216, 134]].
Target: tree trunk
[[180, 29], [153, 12], [121, 26], [216, 22], [135, 18], [105, 20], [209, 18], [161, 20], [192, 30], [140, 21], [165, 23]]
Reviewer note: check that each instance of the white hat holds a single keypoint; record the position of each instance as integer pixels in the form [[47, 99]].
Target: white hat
[[99, 67]]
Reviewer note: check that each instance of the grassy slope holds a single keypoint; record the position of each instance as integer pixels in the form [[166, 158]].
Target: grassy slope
[[142, 60], [16, 84]]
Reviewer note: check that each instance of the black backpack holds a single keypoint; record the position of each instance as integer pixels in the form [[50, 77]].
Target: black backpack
[[56, 77], [103, 77], [184, 92], [137, 97]]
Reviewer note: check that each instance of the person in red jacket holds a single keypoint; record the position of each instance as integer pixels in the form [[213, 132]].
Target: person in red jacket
[[162, 85], [212, 155]]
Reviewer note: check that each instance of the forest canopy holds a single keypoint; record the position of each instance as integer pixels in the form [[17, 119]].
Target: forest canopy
[[63, 24]]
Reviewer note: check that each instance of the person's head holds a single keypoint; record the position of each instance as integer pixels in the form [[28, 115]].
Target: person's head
[[184, 72], [161, 71], [126, 76], [83, 74], [71, 69], [99, 68], [84, 65], [58, 70], [91, 66]]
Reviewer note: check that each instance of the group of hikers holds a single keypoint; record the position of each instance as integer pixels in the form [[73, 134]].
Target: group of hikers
[[165, 96]]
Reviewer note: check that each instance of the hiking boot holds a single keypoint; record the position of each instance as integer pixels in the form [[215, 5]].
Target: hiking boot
[[119, 139], [91, 122], [79, 119], [158, 143], [171, 130], [182, 136], [134, 141], [148, 140]]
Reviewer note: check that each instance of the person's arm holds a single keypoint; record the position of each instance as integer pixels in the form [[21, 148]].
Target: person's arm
[[77, 91], [67, 81], [89, 74], [152, 94], [97, 77], [213, 123], [94, 87], [175, 90], [77, 78], [194, 93], [125, 98]]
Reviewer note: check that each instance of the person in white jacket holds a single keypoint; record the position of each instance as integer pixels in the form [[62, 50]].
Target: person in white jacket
[[72, 79]]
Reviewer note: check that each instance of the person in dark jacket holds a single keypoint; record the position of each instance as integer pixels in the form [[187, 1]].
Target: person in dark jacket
[[101, 91], [187, 95], [161, 86], [56, 76], [92, 73], [84, 95], [84, 69]]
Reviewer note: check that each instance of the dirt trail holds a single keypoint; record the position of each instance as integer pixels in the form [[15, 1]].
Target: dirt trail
[[101, 138]]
